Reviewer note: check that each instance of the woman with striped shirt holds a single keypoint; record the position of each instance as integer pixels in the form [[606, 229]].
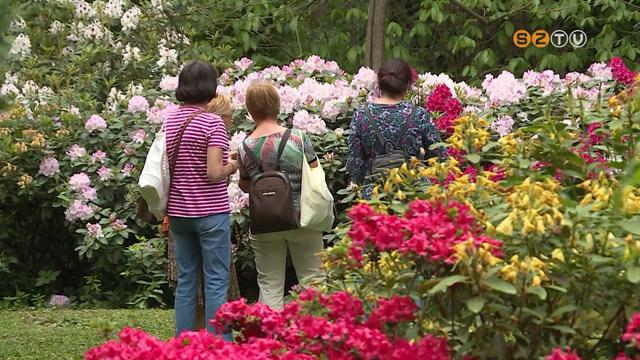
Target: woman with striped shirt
[[198, 207]]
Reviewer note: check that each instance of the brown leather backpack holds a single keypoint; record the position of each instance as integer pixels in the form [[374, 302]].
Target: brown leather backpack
[[271, 206]]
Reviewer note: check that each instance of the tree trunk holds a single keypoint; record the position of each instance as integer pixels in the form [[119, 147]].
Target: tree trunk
[[374, 47]]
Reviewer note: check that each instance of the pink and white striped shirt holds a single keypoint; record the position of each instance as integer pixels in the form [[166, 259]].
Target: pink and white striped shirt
[[192, 194]]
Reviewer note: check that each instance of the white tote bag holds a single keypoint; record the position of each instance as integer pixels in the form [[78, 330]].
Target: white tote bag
[[155, 180], [316, 201]]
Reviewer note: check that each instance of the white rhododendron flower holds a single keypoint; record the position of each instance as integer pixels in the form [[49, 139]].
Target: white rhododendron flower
[[21, 47], [130, 19]]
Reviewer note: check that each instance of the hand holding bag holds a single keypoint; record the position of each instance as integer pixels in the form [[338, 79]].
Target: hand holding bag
[[316, 201]]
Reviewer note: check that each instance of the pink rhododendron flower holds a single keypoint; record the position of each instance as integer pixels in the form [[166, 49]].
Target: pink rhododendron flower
[[138, 104], [236, 140], [169, 83], [632, 332], [127, 169], [365, 79], [502, 125], [159, 112], [95, 122], [139, 136], [98, 157], [95, 230], [243, 64], [76, 152], [118, 225], [505, 89], [49, 166], [600, 71], [620, 72], [88, 193], [58, 301], [238, 199], [442, 101], [79, 181], [559, 354], [78, 210], [311, 124], [105, 173]]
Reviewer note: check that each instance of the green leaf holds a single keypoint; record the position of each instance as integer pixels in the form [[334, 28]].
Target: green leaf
[[447, 282], [502, 286], [476, 304], [563, 310], [537, 290], [633, 274], [631, 225], [563, 329], [473, 158]]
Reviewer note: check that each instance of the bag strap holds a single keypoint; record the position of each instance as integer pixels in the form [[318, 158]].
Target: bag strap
[[383, 141], [258, 162], [283, 144], [172, 164]]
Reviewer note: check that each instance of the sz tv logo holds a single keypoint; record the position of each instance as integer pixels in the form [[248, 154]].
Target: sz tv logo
[[541, 39]]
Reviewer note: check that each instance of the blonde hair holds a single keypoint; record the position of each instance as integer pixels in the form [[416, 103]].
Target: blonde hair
[[262, 101], [221, 106]]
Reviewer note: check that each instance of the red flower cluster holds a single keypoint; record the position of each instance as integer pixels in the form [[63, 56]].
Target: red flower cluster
[[559, 354], [314, 326], [441, 100], [620, 72], [427, 229], [632, 332]]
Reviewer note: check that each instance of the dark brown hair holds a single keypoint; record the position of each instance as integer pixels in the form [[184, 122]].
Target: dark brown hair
[[394, 77], [197, 83]]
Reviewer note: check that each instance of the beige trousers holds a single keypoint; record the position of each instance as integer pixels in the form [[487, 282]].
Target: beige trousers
[[271, 260]]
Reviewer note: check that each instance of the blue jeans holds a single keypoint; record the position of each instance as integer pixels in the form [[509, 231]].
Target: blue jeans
[[201, 243]]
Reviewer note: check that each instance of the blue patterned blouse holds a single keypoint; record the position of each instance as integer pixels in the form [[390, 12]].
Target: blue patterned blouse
[[364, 145]]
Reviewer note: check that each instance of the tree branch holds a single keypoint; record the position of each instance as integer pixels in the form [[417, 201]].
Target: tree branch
[[470, 11]]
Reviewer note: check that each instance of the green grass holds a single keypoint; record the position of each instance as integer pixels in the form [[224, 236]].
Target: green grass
[[67, 334]]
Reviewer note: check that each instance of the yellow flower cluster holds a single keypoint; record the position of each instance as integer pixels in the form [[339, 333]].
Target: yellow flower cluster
[[38, 141], [62, 133], [390, 265], [466, 252], [630, 200], [24, 181], [599, 191], [8, 169], [5, 131], [20, 147], [632, 247], [469, 130], [509, 144], [530, 265], [536, 204]]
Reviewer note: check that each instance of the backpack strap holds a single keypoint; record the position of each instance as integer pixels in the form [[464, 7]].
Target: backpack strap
[[283, 144], [383, 141], [258, 162]]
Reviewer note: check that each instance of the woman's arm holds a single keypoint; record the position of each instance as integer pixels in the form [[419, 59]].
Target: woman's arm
[[216, 169]]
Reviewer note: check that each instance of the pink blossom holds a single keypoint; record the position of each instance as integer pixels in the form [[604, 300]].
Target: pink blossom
[[98, 157], [168, 83], [78, 210], [600, 71], [138, 104], [139, 136], [236, 140], [311, 124], [49, 166], [88, 193], [505, 89], [238, 199], [76, 152], [288, 99], [365, 79], [559, 354], [59, 301], [105, 173], [158, 113], [243, 64], [632, 332], [118, 225], [620, 72], [95, 230], [502, 125], [95, 122], [79, 181], [127, 169]]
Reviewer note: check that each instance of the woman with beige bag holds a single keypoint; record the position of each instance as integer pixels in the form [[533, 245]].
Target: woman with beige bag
[[274, 152]]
